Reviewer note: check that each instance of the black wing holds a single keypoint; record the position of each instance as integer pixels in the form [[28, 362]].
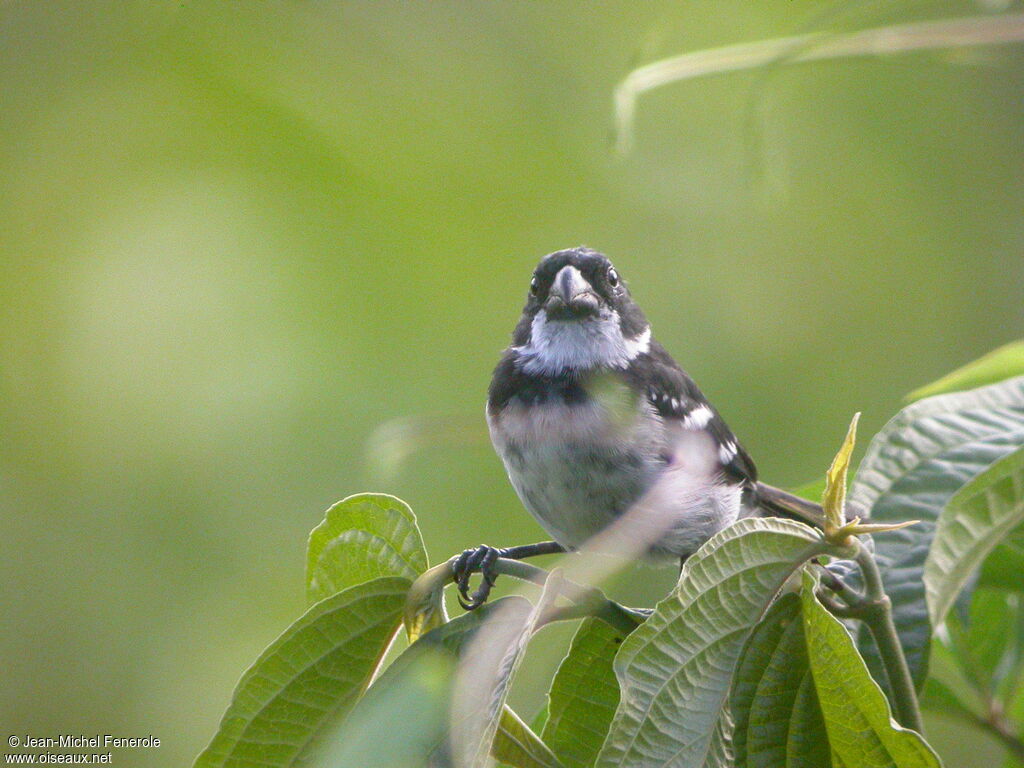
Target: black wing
[[675, 396]]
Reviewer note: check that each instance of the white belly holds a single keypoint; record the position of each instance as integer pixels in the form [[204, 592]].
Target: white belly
[[576, 467]]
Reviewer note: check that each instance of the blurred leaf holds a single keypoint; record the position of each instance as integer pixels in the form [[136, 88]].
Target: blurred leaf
[[861, 731], [404, 719], [363, 537], [947, 688], [834, 499], [676, 669], [485, 672], [999, 364], [989, 645], [1002, 569], [540, 719], [516, 745], [911, 470], [583, 695], [980, 515], [414, 691], [778, 721], [937, 695], [315, 671]]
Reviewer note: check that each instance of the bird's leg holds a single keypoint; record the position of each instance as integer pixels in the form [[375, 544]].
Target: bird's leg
[[482, 559]]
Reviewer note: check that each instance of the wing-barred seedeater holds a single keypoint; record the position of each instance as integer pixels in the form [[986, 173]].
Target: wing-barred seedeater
[[585, 409]]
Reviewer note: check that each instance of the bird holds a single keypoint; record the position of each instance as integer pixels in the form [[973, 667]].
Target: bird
[[588, 413]]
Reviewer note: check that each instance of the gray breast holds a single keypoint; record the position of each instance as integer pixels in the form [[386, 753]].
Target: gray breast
[[577, 465]]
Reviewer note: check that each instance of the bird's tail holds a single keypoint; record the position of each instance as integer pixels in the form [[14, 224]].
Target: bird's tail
[[776, 502]]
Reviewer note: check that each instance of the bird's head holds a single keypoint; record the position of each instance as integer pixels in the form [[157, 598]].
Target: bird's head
[[578, 315]]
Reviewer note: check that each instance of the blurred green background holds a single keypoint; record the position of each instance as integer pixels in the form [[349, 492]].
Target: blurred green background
[[239, 239]]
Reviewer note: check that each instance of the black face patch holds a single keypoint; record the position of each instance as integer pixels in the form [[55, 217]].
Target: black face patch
[[597, 270], [595, 267]]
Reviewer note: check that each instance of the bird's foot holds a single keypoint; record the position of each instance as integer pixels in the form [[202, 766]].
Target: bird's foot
[[480, 559]]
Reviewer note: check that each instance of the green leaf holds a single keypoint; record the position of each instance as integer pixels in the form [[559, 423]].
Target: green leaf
[[312, 673], [861, 731], [911, 470], [404, 719], [948, 689], [988, 644], [583, 695], [676, 669], [516, 745], [778, 721], [363, 537], [1003, 567], [998, 365], [978, 516]]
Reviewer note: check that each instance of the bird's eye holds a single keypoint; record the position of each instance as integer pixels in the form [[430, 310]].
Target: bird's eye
[[534, 286], [613, 277]]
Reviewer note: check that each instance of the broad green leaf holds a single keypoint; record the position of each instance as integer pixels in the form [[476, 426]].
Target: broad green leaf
[[778, 722], [978, 516], [583, 695], [486, 669], [911, 470], [404, 719], [310, 675], [861, 731], [363, 537], [676, 669], [998, 365]]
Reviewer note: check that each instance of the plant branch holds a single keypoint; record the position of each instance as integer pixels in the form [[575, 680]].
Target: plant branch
[[588, 601]]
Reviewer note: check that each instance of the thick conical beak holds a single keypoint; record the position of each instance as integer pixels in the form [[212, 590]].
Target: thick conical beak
[[571, 297]]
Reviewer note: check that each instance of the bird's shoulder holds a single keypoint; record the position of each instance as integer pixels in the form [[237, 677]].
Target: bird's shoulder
[[676, 397]]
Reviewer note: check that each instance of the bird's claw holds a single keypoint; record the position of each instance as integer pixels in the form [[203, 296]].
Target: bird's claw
[[480, 559]]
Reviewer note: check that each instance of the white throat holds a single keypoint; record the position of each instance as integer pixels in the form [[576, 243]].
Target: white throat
[[557, 345]]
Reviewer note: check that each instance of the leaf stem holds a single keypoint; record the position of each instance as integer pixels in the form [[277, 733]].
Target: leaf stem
[[850, 595], [876, 612]]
